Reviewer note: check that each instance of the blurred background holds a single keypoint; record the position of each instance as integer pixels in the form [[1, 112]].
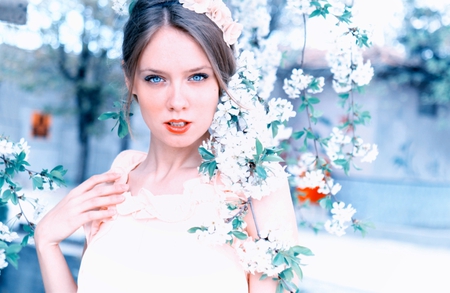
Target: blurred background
[[60, 69]]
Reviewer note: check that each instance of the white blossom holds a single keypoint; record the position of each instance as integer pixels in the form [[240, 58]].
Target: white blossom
[[6, 235], [347, 63], [280, 110], [120, 7], [6, 148], [371, 154], [341, 219], [3, 263], [256, 255], [9, 149], [216, 232]]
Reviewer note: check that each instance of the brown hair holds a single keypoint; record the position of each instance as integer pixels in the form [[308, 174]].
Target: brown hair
[[148, 16]]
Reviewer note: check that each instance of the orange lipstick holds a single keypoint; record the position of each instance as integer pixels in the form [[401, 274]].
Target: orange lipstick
[[177, 126]]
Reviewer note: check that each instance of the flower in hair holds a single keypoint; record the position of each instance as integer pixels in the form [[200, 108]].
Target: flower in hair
[[219, 13]]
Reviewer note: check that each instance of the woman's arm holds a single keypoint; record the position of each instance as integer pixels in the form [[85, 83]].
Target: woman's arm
[[272, 212], [83, 204]]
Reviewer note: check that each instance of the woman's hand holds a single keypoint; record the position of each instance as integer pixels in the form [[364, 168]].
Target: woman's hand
[[87, 202]]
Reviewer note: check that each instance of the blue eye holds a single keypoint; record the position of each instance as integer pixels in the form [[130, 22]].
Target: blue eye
[[153, 78], [199, 77]]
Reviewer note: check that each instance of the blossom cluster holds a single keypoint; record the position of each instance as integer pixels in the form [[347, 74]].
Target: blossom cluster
[[13, 157], [338, 144], [334, 7], [120, 7], [9, 149], [341, 219], [5, 236], [257, 256], [239, 122], [256, 38], [307, 175], [226, 225], [346, 61], [299, 81]]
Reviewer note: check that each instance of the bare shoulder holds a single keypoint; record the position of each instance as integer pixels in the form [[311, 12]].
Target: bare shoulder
[[273, 212]]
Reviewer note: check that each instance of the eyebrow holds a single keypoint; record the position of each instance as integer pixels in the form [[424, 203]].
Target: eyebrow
[[200, 68]]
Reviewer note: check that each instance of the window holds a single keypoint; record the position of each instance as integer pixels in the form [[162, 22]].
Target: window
[[40, 123]]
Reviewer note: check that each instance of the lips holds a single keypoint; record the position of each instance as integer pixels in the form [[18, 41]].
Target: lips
[[177, 126]]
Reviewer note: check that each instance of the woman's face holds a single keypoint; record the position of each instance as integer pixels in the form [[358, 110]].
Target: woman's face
[[176, 89]]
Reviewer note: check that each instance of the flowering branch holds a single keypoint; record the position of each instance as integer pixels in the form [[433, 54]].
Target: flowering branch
[[13, 159], [313, 174]]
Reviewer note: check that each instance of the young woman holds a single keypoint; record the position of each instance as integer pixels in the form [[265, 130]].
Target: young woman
[[136, 216]]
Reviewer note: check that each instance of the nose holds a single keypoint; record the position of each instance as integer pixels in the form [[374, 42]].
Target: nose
[[177, 98]]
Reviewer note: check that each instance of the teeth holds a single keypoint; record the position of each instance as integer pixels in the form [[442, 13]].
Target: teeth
[[177, 124]]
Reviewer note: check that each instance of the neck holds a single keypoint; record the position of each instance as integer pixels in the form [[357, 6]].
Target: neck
[[164, 161]]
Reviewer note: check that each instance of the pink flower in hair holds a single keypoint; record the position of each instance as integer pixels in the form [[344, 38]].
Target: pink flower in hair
[[219, 13], [199, 6], [232, 32]]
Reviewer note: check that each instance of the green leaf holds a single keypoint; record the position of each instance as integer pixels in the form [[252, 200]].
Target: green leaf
[[287, 274], [317, 113], [14, 198], [13, 248], [326, 203], [239, 235], [59, 169], [9, 171], [195, 229], [310, 135], [315, 13], [274, 126], [278, 259], [340, 162], [108, 115], [13, 259], [259, 148], [212, 168], [261, 172], [2, 181], [205, 154], [123, 125], [301, 250], [37, 182], [313, 100], [28, 229], [263, 277], [298, 134], [7, 195], [344, 96], [273, 158], [302, 107], [237, 223], [288, 286], [279, 288], [297, 270], [25, 240]]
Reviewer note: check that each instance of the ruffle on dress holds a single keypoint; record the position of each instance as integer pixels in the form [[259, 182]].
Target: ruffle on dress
[[169, 207]]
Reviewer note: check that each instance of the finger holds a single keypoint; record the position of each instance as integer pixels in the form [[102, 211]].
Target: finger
[[103, 214], [108, 177], [102, 202], [104, 190]]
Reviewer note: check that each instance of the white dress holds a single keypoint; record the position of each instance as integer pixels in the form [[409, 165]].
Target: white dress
[[147, 248]]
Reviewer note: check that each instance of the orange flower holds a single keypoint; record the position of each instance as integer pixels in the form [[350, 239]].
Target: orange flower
[[311, 194]]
